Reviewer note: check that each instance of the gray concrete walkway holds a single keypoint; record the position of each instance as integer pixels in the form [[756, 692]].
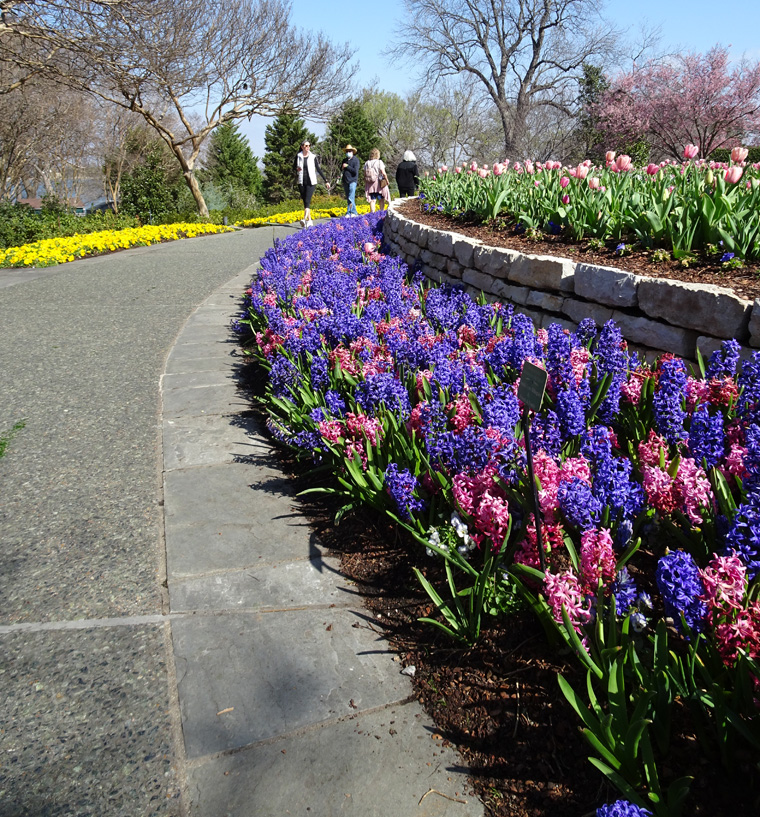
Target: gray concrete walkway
[[174, 640]]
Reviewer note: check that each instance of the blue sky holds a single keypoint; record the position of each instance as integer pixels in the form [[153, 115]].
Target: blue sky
[[370, 28]]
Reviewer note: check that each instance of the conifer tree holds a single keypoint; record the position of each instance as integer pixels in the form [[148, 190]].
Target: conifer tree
[[230, 163], [350, 125], [282, 140]]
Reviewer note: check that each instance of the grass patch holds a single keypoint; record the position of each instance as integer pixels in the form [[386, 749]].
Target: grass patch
[[7, 436]]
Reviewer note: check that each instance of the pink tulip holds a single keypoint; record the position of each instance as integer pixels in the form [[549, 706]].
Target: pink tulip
[[623, 163], [565, 199], [536, 184], [474, 166], [563, 182], [529, 166], [609, 157], [483, 172], [587, 162], [443, 169], [733, 174], [739, 154], [498, 169], [691, 152], [517, 167], [594, 183], [653, 169], [581, 171], [457, 170]]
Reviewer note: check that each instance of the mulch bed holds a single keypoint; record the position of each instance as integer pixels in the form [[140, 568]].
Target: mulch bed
[[745, 282]]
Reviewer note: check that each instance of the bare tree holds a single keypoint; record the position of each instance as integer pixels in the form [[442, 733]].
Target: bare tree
[[523, 52], [187, 66]]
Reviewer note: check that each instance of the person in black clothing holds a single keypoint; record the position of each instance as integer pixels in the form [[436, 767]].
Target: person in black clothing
[[350, 168], [306, 167], [406, 175]]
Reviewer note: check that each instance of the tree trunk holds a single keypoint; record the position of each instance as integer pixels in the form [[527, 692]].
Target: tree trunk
[[195, 189]]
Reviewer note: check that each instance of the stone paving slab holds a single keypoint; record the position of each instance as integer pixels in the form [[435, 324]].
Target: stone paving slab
[[276, 672], [310, 582], [222, 397], [247, 519], [194, 441], [378, 764]]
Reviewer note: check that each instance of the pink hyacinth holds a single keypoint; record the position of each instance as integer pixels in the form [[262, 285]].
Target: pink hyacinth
[[733, 174], [694, 487], [564, 589], [691, 152], [725, 581], [660, 489], [654, 447], [597, 559], [739, 154]]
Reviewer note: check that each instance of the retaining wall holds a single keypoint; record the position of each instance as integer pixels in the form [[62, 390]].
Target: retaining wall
[[655, 314]]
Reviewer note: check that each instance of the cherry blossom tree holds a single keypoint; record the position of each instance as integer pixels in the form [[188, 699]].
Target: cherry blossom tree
[[699, 99]]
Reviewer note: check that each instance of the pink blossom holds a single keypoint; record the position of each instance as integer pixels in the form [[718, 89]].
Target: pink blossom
[[733, 174], [331, 430], [725, 581], [654, 450], [739, 154], [691, 152], [734, 462], [660, 489], [694, 488], [563, 589], [563, 182], [597, 559]]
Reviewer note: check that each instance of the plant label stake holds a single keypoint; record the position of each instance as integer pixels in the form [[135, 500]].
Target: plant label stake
[[531, 393]]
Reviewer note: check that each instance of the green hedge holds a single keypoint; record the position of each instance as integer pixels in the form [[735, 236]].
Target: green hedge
[[724, 155]]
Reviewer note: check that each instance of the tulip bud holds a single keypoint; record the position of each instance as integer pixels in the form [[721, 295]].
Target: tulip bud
[[709, 177], [666, 194], [565, 199]]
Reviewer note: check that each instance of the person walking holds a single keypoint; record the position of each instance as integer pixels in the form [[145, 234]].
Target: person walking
[[406, 175], [376, 181], [350, 168], [306, 167]]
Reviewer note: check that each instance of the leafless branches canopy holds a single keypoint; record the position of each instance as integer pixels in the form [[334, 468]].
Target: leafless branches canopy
[[185, 66], [524, 53]]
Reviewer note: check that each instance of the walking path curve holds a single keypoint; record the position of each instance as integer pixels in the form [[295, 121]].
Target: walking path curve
[[174, 640]]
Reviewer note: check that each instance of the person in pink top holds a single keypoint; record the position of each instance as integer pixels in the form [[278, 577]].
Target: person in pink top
[[376, 181]]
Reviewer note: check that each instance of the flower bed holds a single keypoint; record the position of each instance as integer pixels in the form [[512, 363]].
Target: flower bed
[[53, 251], [645, 556], [294, 216]]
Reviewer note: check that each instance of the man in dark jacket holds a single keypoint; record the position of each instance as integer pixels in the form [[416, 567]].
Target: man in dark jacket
[[350, 169]]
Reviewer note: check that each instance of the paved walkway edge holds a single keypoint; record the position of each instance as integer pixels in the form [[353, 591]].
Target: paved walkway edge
[[290, 701]]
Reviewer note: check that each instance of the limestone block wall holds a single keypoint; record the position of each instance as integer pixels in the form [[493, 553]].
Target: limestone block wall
[[654, 314]]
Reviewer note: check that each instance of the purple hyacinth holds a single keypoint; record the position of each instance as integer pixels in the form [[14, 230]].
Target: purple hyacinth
[[622, 808], [402, 486], [743, 535], [578, 504], [625, 592], [706, 436], [681, 587], [669, 413], [748, 405], [572, 418], [724, 361]]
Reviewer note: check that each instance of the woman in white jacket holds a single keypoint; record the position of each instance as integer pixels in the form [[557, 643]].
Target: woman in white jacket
[[306, 166]]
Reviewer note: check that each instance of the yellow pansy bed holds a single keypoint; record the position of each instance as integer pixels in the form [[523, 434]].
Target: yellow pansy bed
[[52, 251], [297, 215]]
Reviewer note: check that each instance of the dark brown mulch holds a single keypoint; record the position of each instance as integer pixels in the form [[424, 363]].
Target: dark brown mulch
[[498, 702], [745, 282]]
